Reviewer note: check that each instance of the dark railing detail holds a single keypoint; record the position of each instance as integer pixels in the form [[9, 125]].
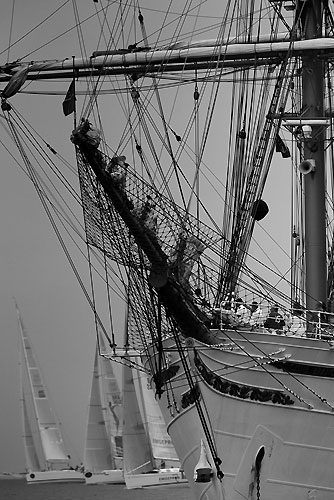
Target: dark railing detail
[[190, 397], [166, 375], [239, 390], [304, 369]]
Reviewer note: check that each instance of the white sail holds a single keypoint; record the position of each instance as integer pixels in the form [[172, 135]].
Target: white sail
[[161, 444], [149, 455], [46, 458], [136, 447], [31, 458], [48, 436], [146, 441], [98, 444], [103, 436], [112, 404]]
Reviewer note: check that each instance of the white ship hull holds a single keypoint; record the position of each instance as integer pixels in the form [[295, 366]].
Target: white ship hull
[[114, 476], [159, 478], [257, 413], [55, 476]]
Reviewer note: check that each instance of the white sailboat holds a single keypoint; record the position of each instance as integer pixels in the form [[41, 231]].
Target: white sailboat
[[46, 458], [149, 456], [103, 457]]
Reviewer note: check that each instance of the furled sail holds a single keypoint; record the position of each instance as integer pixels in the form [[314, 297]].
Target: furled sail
[[16, 81], [232, 54]]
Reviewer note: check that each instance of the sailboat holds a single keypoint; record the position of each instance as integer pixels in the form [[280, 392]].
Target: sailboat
[[103, 458], [46, 458], [149, 456], [185, 123]]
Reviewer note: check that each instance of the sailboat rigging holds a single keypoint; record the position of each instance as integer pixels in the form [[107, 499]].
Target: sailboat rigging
[[174, 190]]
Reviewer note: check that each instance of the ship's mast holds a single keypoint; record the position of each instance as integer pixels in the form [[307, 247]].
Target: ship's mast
[[311, 15]]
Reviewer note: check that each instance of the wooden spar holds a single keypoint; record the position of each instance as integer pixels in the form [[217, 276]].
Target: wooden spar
[[236, 55]]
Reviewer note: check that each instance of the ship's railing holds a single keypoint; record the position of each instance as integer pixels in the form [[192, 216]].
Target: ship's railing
[[323, 325], [319, 324]]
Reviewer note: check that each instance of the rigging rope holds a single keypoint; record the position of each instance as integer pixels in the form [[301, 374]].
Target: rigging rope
[[43, 198]]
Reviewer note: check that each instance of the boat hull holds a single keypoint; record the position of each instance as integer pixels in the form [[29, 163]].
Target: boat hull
[[55, 476], [114, 476], [294, 464], [160, 478], [252, 413]]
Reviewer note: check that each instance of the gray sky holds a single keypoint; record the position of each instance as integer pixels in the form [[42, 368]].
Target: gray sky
[[33, 267]]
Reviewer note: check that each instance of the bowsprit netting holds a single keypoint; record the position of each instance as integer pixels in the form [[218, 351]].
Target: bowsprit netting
[[176, 235]]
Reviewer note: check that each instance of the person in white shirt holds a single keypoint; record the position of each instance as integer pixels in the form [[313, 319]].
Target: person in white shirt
[[297, 324], [256, 319], [243, 312]]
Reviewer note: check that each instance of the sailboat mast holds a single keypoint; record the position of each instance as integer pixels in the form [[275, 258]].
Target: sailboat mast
[[311, 15]]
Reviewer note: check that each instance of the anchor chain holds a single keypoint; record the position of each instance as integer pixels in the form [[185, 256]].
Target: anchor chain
[[258, 463]]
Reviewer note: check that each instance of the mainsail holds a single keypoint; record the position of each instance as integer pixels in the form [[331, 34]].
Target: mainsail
[[146, 442], [137, 451], [44, 446], [104, 427], [31, 457]]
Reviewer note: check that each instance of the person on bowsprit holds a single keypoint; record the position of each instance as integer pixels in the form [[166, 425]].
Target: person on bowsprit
[[85, 132], [275, 320], [147, 214], [117, 169]]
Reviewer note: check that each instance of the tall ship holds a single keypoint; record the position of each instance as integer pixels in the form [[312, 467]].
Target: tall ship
[[202, 136], [47, 460]]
